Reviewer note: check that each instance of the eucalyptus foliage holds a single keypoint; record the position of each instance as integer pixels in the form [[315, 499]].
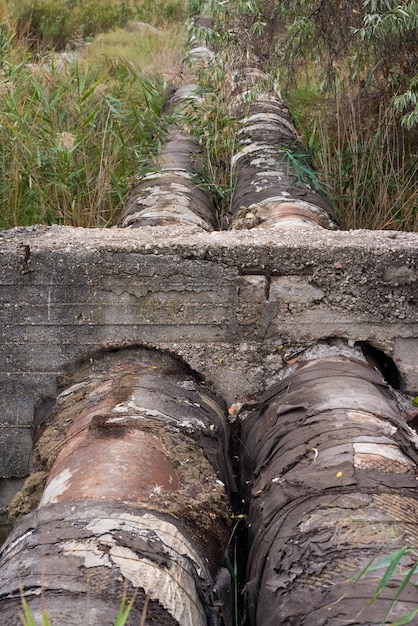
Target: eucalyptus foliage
[[392, 29]]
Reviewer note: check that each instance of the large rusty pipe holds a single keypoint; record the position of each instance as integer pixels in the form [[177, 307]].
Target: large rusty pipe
[[268, 189], [173, 192], [136, 496]]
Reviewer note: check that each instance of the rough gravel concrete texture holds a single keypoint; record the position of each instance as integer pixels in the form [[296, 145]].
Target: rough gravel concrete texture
[[232, 304]]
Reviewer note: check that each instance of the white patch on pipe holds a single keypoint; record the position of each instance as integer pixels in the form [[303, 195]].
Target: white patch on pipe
[[56, 487], [144, 413], [363, 417], [178, 209], [94, 556], [69, 390], [264, 165], [249, 149], [173, 587], [201, 52], [322, 351], [322, 216], [14, 544], [166, 172], [287, 222], [178, 187], [385, 450], [338, 349], [266, 119]]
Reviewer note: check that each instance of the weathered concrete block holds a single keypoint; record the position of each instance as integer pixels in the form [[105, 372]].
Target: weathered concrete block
[[233, 304], [406, 358]]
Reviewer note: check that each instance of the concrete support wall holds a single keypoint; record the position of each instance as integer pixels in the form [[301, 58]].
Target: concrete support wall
[[234, 305]]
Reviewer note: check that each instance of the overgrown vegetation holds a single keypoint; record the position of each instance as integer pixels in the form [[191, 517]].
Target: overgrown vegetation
[[57, 24], [76, 130], [71, 141], [358, 68], [347, 71], [212, 123]]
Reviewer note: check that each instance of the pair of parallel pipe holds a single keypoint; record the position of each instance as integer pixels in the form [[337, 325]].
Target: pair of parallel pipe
[[267, 189], [136, 452], [135, 449]]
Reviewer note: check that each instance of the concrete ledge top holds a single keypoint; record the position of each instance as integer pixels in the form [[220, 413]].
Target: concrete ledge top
[[173, 239]]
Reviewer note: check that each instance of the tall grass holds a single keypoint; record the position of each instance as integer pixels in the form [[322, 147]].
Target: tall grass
[[365, 158], [55, 24], [369, 164], [76, 129], [210, 120], [72, 139], [75, 135], [160, 12], [151, 50]]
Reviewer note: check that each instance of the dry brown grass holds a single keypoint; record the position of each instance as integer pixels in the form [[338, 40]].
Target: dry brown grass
[[367, 161], [363, 155]]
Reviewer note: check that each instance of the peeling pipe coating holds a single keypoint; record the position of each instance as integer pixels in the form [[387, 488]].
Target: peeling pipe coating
[[138, 492], [268, 190], [331, 471], [173, 192], [134, 451]]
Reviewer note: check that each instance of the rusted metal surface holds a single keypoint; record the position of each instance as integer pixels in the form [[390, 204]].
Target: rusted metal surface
[[135, 460], [137, 492], [331, 467]]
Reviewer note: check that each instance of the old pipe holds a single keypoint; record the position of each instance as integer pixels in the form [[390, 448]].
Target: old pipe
[[173, 192], [331, 468], [136, 498], [269, 190]]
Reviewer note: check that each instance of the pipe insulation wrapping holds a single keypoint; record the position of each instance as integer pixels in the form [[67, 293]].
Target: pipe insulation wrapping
[[331, 471], [136, 453]]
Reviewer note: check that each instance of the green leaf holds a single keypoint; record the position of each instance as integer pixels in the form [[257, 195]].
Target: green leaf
[[26, 618], [406, 619], [386, 560], [401, 587], [396, 558]]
